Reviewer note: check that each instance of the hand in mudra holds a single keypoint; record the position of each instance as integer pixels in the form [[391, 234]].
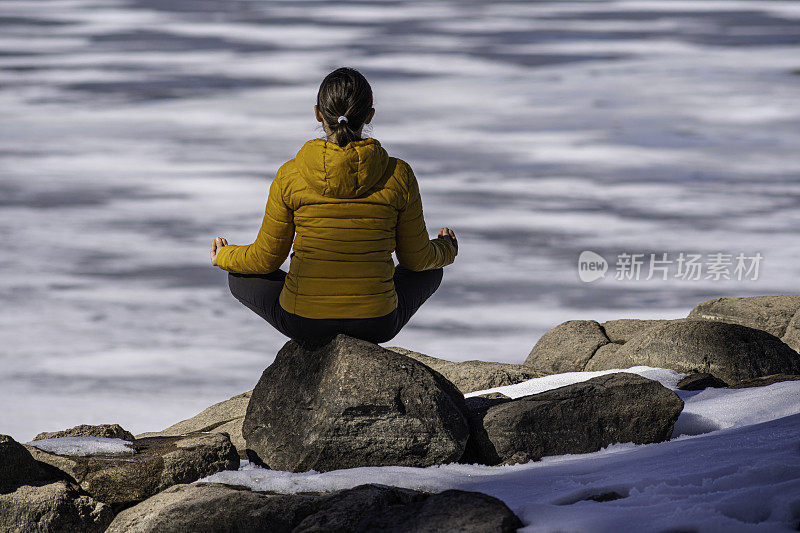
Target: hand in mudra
[[447, 233], [216, 244]]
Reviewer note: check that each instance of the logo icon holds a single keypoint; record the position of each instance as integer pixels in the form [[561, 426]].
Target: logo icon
[[591, 266]]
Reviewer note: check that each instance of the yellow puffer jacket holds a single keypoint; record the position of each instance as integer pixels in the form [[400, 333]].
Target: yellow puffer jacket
[[351, 208]]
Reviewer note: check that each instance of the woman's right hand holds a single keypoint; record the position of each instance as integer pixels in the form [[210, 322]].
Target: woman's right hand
[[447, 233], [216, 246]]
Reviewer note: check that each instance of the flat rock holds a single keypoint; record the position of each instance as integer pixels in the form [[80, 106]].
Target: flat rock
[[356, 404], [567, 347], [579, 418], [159, 462], [109, 431], [701, 381], [223, 417], [213, 507], [768, 313], [470, 376], [729, 351]]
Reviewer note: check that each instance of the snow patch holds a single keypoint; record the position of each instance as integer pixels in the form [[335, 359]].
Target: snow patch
[[83, 446], [668, 378]]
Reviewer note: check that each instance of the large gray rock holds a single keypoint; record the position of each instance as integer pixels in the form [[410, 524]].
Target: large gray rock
[[778, 315], [579, 418], [212, 507], [37, 497], [566, 348], [108, 431], [768, 313], [570, 346], [470, 376], [729, 351], [223, 417], [352, 403], [159, 462], [55, 507]]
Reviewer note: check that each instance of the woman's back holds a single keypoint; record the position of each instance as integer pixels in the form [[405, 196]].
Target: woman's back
[[346, 205], [350, 207]]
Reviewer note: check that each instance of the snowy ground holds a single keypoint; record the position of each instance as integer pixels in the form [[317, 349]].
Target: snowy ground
[[733, 465]]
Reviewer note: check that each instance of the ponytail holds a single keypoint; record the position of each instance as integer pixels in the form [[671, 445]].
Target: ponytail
[[344, 100]]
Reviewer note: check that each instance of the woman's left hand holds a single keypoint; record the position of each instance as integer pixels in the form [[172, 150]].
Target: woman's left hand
[[216, 244]]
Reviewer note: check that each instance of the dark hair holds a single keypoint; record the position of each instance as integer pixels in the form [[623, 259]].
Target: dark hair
[[345, 91]]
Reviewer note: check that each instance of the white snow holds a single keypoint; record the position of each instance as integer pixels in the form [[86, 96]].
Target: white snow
[[83, 446], [668, 378], [745, 477]]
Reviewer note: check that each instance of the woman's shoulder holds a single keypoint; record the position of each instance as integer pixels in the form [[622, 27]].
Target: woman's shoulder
[[403, 176], [402, 166], [285, 168], [286, 172]]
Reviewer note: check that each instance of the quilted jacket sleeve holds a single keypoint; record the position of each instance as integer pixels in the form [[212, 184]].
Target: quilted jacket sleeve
[[272, 244], [415, 250]]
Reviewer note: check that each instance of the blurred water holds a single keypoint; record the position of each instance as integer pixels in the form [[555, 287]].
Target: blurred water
[[133, 132]]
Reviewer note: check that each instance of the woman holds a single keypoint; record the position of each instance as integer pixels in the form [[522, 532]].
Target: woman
[[350, 205]]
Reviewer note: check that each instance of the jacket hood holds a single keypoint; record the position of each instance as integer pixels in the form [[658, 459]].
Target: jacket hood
[[342, 172]]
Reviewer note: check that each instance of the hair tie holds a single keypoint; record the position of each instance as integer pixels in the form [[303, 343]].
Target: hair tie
[[341, 119]]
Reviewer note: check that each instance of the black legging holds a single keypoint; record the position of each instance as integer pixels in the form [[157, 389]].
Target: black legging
[[259, 292]]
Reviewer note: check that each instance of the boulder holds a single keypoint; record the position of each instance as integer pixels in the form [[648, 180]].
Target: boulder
[[624, 329], [778, 315], [159, 462], [579, 418], [352, 403], [57, 506], [701, 381], [566, 348], [470, 376], [37, 497], [768, 313], [729, 351], [573, 345], [109, 431], [214, 507], [223, 417], [763, 381]]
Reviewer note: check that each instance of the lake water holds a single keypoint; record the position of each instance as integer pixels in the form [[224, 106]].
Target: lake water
[[134, 132]]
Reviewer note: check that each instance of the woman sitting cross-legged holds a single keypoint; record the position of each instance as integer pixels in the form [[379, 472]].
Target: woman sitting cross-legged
[[347, 205]]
